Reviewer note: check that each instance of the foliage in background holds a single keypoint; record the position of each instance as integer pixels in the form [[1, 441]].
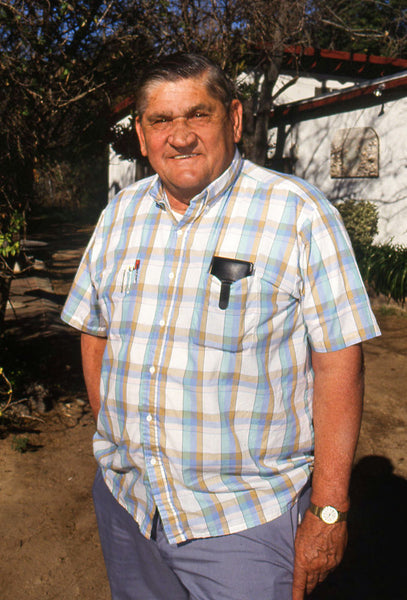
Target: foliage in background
[[361, 221], [386, 271], [11, 226], [63, 64], [370, 27], [72, 187], [383, 266], [12, 223]]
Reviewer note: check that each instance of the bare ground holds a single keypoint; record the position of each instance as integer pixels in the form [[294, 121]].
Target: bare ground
[[49, 547]]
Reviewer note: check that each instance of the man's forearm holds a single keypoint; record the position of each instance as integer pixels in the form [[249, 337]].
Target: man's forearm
[[338, 399], [92, 349]]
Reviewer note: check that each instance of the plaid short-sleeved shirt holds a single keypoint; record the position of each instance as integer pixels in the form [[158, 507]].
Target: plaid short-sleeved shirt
[[206, 411]]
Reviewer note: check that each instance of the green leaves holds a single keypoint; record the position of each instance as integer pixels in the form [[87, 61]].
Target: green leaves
[[361, 221], [10, 230], [383, 266], [387, 271], [367, 26]]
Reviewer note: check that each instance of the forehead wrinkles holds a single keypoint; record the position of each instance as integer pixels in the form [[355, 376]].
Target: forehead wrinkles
[[185, 112], [152, 86]]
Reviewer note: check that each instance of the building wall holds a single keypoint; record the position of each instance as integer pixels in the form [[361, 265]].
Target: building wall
[[309, 144], [121, 172], [307, 86]]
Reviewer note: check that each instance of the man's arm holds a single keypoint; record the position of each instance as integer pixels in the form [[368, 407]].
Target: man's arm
[[338, 398], [92, 349]]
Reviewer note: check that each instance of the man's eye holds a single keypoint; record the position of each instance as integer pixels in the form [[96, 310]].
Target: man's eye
[[161, 122]]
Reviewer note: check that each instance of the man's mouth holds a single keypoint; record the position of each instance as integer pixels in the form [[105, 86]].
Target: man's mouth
[[184, 156]]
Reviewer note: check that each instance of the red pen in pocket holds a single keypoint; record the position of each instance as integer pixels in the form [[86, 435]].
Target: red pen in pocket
[[136, 268]]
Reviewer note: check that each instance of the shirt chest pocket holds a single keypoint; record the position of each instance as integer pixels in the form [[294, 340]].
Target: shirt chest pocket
[[120, 299], [226, 319]]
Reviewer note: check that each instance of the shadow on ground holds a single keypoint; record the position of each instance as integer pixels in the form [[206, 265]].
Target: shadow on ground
[[374, 564], [36, 347]]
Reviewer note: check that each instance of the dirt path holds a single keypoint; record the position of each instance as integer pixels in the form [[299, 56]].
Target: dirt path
[[49, 546]]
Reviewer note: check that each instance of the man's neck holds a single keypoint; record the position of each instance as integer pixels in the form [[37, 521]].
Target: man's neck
[[177, 205]]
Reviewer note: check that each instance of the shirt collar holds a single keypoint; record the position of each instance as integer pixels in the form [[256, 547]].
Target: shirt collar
[[211, 194]]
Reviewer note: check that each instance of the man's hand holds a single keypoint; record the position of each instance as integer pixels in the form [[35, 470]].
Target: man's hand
[[319, 548]]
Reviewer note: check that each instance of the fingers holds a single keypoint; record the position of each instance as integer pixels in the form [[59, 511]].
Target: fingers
[[299, 583], [314, 579], [305, 583], [318, 550]]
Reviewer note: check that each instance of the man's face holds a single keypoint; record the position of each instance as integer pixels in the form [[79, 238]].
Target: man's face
[[188, 136]]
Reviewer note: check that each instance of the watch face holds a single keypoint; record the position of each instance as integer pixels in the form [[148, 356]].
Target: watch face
[[329, 515]]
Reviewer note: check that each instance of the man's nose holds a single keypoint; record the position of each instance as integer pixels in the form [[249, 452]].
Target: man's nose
[[181, 133]]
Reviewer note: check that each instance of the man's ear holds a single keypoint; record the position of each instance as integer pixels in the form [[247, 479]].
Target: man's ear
[[140, 135], [236, 116]]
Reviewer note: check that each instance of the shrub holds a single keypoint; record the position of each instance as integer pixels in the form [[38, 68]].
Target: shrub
[[361, 221], [383, 266], [20, 444], [386, 270]]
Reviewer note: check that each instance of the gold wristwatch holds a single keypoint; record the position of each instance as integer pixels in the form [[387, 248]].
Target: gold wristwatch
[[328, 514]]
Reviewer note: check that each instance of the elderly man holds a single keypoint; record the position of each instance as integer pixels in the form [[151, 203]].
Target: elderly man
[[222, 314]]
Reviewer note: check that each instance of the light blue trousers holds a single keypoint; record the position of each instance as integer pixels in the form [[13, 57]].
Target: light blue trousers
[[256, 564]]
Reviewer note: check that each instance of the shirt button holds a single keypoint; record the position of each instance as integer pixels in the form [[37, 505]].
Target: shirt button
[[153, 461], [149, 418], [162, 323], [152, 370], [171, 276], [179, 232]]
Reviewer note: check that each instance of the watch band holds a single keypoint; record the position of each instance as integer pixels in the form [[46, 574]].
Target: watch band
[[328, 514]]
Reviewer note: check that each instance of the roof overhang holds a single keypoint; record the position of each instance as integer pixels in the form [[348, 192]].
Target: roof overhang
[[345, 64], [367, 94]]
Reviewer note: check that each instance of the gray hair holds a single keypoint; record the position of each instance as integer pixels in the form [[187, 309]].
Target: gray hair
[[186, 66]]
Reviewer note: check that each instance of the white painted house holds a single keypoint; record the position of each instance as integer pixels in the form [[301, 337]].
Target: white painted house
[[121, 172], [346, 134], [351, 143]]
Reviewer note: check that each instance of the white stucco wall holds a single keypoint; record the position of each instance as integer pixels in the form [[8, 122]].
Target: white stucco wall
[[310, 142], [121, 172], [306, 87]]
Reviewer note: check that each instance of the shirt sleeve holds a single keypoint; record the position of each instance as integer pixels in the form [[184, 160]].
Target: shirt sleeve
[[335, 303], [82, 309]]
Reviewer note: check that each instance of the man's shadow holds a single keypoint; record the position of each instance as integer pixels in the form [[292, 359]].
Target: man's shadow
[[374, 565]]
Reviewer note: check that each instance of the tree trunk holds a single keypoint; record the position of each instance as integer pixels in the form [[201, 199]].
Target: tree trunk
[[271, 69], [257, 111]]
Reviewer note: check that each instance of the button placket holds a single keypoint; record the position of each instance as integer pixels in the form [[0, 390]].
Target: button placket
[[157, 355]]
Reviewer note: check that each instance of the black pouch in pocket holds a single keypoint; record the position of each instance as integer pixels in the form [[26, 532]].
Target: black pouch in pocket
[[229, 270]]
